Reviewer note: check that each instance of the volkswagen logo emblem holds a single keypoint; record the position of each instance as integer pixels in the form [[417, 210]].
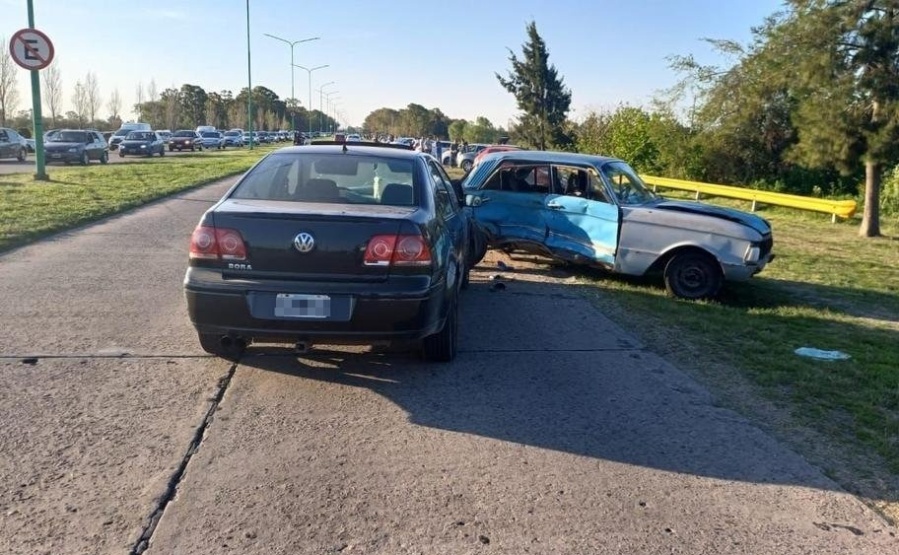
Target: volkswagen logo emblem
[[304, 242]]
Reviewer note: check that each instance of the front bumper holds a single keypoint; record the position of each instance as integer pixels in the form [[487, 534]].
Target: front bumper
[[401, 309], [183, 146], [133, 150]]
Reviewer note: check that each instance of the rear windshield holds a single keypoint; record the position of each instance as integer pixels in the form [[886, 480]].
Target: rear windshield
[[140, 136], [331, 178], [69, 137], [211, 135]]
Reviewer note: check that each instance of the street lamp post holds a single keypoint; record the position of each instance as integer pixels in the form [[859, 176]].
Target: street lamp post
[[328, 101], [331, 102], [321, 102], [309, 111], [291, 44]]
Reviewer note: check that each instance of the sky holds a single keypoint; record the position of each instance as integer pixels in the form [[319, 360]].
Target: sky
[[383, 53]]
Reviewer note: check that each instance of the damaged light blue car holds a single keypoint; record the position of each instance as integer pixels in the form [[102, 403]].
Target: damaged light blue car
[[596, 211]]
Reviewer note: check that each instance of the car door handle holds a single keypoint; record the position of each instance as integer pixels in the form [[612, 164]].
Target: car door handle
[[554, 206]]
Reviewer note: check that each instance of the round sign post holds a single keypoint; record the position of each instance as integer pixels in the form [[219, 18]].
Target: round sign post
[[33, 50]]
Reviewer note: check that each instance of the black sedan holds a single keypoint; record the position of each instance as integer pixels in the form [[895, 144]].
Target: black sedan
[[142, 143], [331, 245]]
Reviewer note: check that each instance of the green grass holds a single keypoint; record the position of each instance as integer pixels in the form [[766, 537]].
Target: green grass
[[77, 195], [827, 288]]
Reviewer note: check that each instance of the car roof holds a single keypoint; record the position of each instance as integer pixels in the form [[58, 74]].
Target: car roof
[[550, 156], [352, 148]]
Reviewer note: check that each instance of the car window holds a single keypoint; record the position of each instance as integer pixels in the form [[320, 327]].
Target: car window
[[521, 178], [626, 186], [4, 136], [580, 182], [445, 199], [332, 178]]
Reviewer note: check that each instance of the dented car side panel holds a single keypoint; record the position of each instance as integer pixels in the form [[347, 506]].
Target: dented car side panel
[[582, 229]]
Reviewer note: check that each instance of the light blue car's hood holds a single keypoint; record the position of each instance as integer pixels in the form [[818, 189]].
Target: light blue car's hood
[[738, 216]]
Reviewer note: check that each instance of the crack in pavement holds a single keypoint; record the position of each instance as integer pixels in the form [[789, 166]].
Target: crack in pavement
[[143, 542]]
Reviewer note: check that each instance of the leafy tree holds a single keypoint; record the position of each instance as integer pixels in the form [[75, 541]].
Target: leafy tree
[[457, 130], [480, 131], [541, 95], [839, 62], [193, 105], [9, 92]]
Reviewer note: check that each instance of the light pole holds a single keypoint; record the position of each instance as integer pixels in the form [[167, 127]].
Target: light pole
[[291, 44], [321, 102], [249, 82], [328, 103], [309, 111], [331, 102]]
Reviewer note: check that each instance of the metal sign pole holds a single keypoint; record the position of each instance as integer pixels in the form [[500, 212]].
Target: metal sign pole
[[39, 156]]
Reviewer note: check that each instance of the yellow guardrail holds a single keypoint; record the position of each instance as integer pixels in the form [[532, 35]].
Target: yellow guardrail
[[836, 208]]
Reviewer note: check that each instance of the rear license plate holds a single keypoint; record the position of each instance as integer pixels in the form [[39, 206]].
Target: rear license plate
[[291, 305]]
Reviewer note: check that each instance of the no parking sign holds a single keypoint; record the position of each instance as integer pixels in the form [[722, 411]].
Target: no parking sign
[[31, 49]]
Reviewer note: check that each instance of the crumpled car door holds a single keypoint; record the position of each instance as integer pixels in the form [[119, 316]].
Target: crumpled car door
[[580, 227], [510, 217]]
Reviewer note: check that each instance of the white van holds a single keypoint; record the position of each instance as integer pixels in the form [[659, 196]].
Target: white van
[[206, 129], [123, 131]]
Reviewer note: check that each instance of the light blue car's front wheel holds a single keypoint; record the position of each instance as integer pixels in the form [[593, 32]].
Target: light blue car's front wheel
[[693, 275]]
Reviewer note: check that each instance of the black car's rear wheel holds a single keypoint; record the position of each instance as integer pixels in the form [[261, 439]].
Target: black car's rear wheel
[[161, 152], [693, 275], [441, 347], [20, 156], [84, 159], [221, 346], [104, 158]]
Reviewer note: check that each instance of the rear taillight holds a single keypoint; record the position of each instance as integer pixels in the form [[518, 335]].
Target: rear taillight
[[399, 250], [210, 243]]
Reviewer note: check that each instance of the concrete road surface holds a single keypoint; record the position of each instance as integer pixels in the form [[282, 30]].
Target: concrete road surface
[[553, 431]]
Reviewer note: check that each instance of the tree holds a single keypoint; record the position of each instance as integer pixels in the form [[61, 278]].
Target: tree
[[839, 62], [52, 90], [171, 103], [139, 95], [79, 102], [9, 92], [457, 130], [480, 131], [115, 104], [540, 92], [193, 105], [92, 96]]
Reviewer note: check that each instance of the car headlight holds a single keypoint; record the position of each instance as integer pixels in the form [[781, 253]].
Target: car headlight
[[143, 146], [752, 254], [73, 149]]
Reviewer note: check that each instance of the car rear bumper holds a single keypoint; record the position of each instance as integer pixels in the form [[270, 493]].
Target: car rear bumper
[[362, 313]]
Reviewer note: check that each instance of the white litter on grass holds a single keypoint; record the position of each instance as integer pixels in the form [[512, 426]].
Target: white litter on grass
[[821, 355]]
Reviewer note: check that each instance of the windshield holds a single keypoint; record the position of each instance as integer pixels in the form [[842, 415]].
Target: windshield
[[140, 136], [183, 134], [231, 133], [69, 137], [211, 135], [331, 178], [121, 132], [626, 186]]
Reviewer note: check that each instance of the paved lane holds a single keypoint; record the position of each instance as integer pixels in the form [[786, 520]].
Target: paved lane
[[554, 431]]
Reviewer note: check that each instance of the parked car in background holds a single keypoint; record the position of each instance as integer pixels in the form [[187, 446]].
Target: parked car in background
[[494, 148], [123, 131], [465, 157], [317, 244], [31, 145], [12, 145], [596, 211], [205, 128], [233, 138], [353, 137], [165, 135], [76, 145], [185, 139], [142, 143], [212, 140]]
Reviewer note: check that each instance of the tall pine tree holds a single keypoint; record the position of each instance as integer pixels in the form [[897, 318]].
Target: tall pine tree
[[841, 59], [540, 93]]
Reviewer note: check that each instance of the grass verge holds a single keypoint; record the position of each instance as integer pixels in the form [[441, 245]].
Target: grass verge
[[827, 288], [77, 195]]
